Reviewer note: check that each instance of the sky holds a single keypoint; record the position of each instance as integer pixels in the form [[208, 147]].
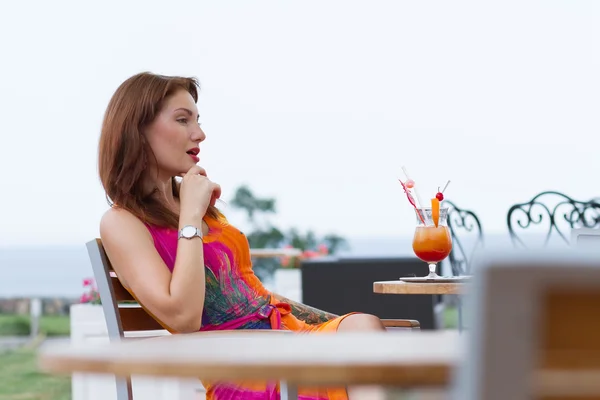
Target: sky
[[316, 104]]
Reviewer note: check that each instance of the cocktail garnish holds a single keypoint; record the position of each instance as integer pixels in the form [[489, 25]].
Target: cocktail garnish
[[411, 199], [435, 211], [409, 185], [439, 195], [419, 203]]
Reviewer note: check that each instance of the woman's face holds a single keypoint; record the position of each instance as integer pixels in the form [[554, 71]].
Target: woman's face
[[175, 134]]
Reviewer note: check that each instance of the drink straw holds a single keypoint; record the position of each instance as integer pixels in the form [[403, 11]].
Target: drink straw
[[419, 201], [444, 189], [411, 200], [410, 197]]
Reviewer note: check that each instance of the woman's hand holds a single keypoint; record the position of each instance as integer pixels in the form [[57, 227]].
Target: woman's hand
[[197, 193]]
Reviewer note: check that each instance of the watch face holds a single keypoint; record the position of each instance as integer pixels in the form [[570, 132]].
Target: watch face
[[188, 231]]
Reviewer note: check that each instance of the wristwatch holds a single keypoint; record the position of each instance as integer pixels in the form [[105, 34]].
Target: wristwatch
[[189, 232]]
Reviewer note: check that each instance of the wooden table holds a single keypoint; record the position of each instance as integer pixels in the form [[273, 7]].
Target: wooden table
[[400, 359], [400, 287]]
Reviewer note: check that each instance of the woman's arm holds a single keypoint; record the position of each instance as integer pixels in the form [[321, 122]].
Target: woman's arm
[[176, 299], [305, 313]]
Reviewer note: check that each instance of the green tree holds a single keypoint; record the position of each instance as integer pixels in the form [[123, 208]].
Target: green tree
[[264, 234], [335, 243], [245, 200]]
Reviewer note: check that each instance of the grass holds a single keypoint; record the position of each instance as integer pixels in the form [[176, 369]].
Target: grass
[[19, 325], [55, 325], [20, 378], [451, 318]]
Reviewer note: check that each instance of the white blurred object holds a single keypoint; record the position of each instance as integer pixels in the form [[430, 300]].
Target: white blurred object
[[507, 304], [288, 283], [268, 253], [585, 238], [89, 326]]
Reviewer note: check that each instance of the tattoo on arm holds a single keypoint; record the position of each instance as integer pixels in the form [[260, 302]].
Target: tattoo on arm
[[305, 313]]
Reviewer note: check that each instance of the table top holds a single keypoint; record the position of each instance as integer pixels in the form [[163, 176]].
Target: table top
[[400, 287], [406, 359]]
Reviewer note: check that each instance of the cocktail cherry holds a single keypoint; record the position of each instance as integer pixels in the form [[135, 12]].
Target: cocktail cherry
[[439, 195]]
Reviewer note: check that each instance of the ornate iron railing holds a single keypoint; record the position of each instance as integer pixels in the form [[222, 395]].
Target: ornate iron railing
[[463, 224], [556, 212]]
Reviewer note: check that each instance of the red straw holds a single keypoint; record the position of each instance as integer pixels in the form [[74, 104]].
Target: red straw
[[411, 200]]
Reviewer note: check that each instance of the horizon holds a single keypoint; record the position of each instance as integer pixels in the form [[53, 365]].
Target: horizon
[[58, 271]]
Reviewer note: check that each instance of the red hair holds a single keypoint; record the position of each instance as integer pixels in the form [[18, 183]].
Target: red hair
[[123, 151]]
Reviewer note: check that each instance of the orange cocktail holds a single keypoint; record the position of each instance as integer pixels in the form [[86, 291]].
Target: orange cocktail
[[432, 243]]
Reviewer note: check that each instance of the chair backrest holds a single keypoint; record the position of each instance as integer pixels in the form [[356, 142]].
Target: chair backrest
[[534, 328], [552, 214], [467, 238], [121, 311]]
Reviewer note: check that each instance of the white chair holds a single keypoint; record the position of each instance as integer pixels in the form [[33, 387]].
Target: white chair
[[535, 321], [124, 315]]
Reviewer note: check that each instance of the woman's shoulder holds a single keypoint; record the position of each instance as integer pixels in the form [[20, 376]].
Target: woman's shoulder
[[116, 213], [118, 219]]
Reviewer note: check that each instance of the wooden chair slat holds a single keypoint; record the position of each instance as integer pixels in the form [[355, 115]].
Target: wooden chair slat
[[137, 319], [401, 323], [121, 294]]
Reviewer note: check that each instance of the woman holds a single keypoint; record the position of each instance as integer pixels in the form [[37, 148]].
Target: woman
[[171, 247]]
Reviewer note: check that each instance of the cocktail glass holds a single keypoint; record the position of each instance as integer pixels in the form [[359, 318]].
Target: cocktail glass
[[431, 243]]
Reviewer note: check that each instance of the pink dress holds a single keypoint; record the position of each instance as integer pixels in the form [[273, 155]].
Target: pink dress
[[236, 299]]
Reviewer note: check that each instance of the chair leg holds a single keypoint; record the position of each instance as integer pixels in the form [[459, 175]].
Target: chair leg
[[288, 391], [124, 391]]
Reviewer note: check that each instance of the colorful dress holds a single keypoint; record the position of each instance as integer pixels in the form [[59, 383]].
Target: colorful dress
[[236, 299]]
